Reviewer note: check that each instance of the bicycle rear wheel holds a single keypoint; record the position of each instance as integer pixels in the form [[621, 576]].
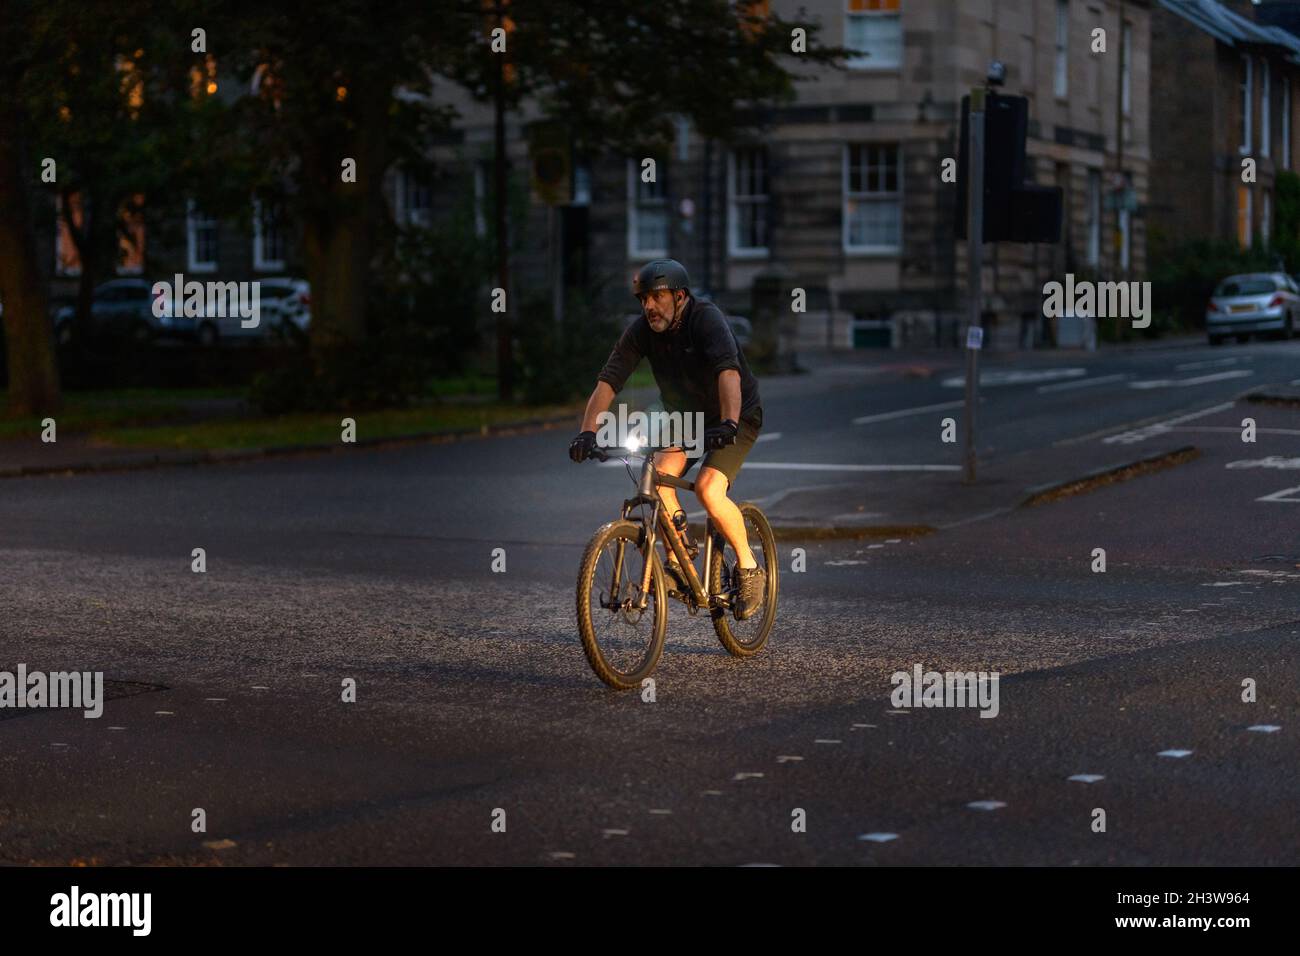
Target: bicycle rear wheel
[[622, 643], [745, 638]]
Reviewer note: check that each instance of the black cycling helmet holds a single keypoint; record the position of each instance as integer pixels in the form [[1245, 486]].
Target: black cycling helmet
[[660, 274]]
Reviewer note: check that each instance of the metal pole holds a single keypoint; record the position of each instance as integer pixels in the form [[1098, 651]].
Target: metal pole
[[556, 215], [1119, 150], [975, 247], [505, 357]]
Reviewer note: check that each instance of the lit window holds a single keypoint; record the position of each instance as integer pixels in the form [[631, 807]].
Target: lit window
[[1243, 216], [67, 260], [132, 84], [130, 240], [203, 78]]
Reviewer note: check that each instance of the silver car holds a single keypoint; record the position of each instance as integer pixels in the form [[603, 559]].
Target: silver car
[[1253, 302]]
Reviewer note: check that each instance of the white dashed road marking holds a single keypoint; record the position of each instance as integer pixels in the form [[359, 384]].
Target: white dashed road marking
[[1174, 753], [1081, 383], [986, 805], [878, 837], [1086, 777], [1287, 496], [1197, 380], [905, 412]]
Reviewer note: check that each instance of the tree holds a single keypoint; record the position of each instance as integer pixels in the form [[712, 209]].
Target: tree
[[617, 71], [33, 371], [342, 93]]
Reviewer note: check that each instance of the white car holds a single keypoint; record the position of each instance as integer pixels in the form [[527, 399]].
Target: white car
[[1252, 302], [280, 300], [285, 299]]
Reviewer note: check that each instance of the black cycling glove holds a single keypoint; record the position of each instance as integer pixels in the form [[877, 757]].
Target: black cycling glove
[[720, 435], [580, 448]]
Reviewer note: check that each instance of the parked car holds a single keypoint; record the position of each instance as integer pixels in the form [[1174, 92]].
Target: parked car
[[1252, 302], [286, 299], [119, 309], [281, 300]]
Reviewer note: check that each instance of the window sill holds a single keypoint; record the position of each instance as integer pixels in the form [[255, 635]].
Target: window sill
[[873, 252]]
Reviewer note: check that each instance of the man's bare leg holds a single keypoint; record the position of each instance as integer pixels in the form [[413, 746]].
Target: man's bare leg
[[711, 489], [670, 462]]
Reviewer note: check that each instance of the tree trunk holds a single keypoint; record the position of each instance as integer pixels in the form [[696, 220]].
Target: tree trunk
[[33, 369], [339, 234]]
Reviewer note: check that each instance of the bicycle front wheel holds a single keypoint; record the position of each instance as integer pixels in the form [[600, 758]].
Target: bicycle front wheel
[[622, 640], [745, 638]]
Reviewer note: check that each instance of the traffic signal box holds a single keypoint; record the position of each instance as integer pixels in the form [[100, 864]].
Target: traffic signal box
[[1014, 211]]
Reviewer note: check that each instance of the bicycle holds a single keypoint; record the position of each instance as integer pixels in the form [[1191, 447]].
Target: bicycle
[[639, 598]]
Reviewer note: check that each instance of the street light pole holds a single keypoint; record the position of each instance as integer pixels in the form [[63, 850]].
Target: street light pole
[[975, 248]]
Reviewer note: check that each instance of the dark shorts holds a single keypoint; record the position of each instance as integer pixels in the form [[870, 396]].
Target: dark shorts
[[728, 458]]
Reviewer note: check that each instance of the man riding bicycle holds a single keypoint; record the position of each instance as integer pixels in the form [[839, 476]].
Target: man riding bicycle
[[699, 367]]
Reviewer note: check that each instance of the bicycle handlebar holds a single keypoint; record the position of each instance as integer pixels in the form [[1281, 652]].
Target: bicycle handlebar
[[604, 454]]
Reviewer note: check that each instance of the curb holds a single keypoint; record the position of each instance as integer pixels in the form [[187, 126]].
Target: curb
[[1108, 475], [1285, 395], [224, 455]]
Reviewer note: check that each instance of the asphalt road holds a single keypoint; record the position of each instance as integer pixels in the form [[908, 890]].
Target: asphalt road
[[473, 695]]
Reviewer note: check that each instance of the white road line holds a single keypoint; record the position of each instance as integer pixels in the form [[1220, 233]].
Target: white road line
[[994, 378], [905, 412], [1086, 777], [1081, 383], [986, 805], [769, 436], [1211, 363], [1198, 380], [877, 837], [1290, 496], [1234, 429], [1159, 428], [807, 466], [1174, 753]]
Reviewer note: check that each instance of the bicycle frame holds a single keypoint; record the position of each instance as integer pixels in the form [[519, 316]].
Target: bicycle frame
[[648, 493]]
